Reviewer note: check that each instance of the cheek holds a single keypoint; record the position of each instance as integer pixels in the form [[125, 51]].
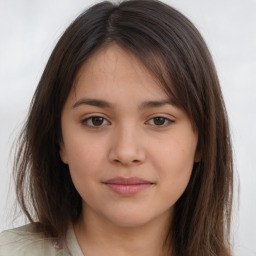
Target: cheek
[[175, 154], [84, 155], [174, 162], [83, 170], [84, 163]]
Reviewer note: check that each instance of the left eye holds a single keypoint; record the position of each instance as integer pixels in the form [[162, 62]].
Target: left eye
[[159, 121], [95, 121]]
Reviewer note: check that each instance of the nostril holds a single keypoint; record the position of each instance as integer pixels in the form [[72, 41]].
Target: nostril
[[135, 161]]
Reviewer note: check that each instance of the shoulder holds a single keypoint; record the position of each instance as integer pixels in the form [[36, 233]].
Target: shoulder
[[24, 241]]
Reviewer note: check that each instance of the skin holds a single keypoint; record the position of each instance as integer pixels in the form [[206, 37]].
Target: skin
[[127, 141]]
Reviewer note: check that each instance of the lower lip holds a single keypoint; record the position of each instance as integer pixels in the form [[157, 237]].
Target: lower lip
[[128, 189]]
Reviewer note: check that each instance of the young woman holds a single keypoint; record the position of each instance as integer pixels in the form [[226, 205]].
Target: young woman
[[126, 149]]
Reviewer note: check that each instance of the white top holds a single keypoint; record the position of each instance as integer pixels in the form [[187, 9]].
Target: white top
[[23, 241]]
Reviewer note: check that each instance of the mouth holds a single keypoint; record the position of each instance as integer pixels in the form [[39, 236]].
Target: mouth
[[127, 186]]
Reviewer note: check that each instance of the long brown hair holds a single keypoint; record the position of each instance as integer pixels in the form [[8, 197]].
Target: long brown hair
[[170, 47]]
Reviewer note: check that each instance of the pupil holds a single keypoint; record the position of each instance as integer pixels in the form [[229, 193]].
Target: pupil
[[97, 121], [159, 120]]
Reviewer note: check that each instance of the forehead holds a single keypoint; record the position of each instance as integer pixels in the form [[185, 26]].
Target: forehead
[[113, 70]]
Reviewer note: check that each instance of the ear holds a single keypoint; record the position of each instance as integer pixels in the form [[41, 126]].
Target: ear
[[198, 156], [63, 152]]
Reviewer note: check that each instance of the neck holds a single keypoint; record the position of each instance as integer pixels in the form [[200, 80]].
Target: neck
[[146, 239]]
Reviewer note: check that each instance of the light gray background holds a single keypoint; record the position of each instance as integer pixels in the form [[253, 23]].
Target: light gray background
[[29, 30]]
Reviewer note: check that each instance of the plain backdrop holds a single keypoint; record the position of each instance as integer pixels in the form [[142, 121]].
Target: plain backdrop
[[29, 29]]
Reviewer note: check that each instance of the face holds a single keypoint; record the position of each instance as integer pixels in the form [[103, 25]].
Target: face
[[130, 151]]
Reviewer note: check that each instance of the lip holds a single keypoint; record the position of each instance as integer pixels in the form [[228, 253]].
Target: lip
[[127, 186]]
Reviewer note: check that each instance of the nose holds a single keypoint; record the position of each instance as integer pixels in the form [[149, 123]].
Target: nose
[[126, 147]]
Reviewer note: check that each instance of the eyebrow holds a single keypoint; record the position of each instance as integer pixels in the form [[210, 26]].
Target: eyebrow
[[157, 103], [105, 104], [93, 102]]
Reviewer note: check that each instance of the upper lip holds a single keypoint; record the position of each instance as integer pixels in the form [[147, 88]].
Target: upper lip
[[127, 181]]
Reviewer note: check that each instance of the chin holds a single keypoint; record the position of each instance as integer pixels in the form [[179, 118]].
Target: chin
[[130, 219]]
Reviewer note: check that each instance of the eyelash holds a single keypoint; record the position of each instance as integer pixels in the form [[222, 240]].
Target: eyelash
[[167, 121], [89, 119], [86, 121]]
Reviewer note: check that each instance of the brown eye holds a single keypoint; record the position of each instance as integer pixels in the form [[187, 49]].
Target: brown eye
[[159, 120], [95, 121]]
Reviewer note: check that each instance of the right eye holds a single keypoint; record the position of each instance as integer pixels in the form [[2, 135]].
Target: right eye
[[95, 121]]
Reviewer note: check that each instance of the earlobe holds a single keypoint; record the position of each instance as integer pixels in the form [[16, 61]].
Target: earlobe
[[198, 156], [63, 153]]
